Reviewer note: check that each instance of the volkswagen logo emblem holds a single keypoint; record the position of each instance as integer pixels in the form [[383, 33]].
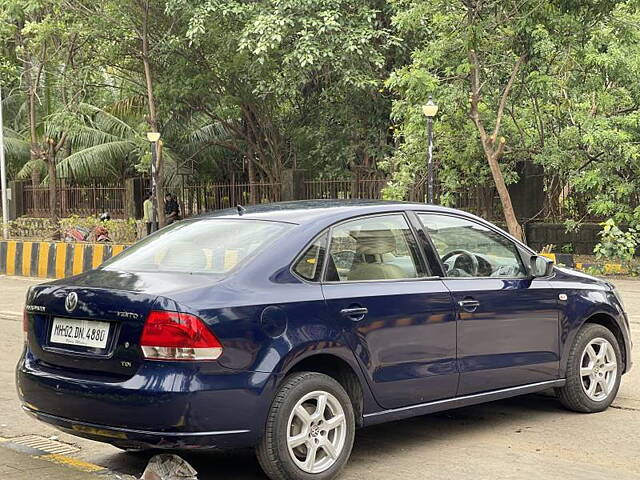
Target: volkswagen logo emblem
[[71, 302]]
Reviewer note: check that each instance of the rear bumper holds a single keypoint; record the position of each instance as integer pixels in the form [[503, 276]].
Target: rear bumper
[[164, 405], [132, 438]]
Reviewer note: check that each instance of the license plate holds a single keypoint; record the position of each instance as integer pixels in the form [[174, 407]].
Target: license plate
[[83, 333]]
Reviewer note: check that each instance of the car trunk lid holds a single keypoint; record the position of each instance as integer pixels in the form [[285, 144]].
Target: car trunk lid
[[89, 329]]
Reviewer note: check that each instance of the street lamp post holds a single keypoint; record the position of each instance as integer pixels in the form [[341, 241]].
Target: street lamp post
[[3, 180], [154, 137], [430, 110]]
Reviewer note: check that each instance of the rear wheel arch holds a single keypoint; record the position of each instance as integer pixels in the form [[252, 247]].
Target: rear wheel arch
[[612, 325], [338, 369]]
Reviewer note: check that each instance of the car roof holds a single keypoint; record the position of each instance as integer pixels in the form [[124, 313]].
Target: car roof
[[310, 211]]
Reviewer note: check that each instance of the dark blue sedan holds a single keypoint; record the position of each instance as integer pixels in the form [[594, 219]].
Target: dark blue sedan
[[287, 326]]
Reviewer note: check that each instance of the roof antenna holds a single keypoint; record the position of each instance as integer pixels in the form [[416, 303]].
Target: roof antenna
[[240, 209]]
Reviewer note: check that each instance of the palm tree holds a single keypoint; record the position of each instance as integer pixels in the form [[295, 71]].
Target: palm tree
[[103, 146], [16, 150], [16, 140], [110, 144]]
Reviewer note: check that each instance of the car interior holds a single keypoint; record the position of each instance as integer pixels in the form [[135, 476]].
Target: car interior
[[473, 251], [380, 250], [367, 250]]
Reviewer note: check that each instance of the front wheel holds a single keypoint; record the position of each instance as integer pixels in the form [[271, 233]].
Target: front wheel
[[594, 369], [310, 429]]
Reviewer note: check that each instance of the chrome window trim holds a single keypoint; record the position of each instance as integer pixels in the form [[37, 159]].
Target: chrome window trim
[[389, 280]]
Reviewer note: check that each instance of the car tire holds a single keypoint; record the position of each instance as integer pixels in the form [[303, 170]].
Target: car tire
[[326, 433], [592, 375]]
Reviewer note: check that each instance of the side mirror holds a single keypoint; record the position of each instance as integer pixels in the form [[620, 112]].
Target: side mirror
[[541, 266]]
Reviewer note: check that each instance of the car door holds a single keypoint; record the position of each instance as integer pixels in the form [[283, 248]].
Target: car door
[[508, 322], [398, 320]]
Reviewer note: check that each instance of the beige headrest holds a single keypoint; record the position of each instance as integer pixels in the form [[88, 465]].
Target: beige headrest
[[374, 242]]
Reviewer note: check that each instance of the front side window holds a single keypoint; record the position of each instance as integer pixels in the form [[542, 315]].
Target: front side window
[[373, 248], [468, 249], [212, 246]]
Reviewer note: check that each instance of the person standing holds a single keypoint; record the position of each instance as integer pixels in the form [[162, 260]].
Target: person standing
[[171, 209], [147, 211]]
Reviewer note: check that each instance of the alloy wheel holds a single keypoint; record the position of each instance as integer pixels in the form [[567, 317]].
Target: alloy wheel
[[598, 369], [316, 432]]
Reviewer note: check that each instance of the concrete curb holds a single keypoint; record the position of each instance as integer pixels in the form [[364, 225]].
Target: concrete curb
[[55, 458], [53, 259]]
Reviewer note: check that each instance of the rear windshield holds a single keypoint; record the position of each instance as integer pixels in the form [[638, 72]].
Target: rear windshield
[[199, 246]]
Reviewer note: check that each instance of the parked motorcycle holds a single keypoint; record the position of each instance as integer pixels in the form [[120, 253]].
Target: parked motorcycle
[[98, 234]]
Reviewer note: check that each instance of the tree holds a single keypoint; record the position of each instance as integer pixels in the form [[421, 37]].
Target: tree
[[492, 145], [583, 123], [243, 90], [103, 145], [124, 42], [34, 32], [46, 49], [295, 82]]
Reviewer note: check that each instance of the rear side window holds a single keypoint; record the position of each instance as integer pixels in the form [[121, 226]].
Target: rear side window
[[309, 266], [373, 248], [212, 246]]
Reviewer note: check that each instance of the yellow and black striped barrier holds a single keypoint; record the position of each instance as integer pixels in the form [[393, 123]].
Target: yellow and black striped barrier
[[53, 259], [567, 260]]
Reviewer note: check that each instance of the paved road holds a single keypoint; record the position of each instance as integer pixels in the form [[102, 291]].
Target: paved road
[[518, 438]]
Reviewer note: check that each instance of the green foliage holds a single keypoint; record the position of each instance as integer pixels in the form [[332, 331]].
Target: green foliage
[[573, 108], [33, 228], [120, 231], [306, 75], [244, 89], [567, 248], [595, 270], [616, 244]]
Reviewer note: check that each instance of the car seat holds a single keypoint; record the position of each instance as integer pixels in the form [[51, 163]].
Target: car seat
[[372, 245]]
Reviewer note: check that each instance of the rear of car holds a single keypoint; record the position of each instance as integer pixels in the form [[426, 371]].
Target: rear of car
[[110, 355]]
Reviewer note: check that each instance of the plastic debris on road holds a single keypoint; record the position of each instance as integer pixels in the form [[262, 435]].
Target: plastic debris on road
[[120, 476], [168, 467]]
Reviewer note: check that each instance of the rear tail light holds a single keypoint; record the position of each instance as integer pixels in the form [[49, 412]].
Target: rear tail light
[[178, 336], [25, 326]]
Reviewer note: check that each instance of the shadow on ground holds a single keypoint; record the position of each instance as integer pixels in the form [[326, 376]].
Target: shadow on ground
[[371, 443]]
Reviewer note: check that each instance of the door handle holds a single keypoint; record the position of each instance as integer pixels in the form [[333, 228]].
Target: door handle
[[469, 304], [354, 313]]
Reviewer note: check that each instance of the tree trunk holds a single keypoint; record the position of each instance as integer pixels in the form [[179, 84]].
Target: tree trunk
[[31, 101], [505, 198], [160, 186], [35, 152], [35, 182], [53, 190], [252, 180], [493, 153], [251, 156]]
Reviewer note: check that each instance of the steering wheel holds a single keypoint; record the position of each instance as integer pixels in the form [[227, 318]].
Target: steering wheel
[[473, 260]]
